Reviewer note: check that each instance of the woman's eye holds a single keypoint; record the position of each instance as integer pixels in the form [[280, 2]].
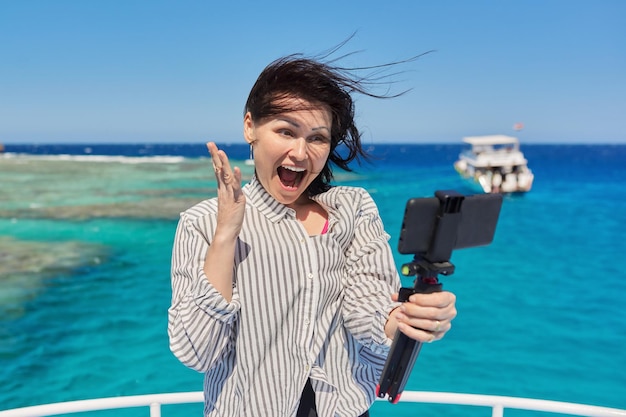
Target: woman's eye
[[319, 139], [286, 132]]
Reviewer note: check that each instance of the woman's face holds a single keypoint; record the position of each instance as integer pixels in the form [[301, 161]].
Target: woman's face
[[290, 149]]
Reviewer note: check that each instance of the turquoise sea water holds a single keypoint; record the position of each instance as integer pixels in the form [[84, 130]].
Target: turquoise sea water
[[85, 246]]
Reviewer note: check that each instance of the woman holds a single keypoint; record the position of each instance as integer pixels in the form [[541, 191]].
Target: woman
[[284, 291]]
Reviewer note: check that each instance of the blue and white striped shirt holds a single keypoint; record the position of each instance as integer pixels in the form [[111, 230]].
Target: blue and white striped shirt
[[302, 307]]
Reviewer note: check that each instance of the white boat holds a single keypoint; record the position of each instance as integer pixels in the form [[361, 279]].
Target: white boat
[[495, 164], [154, 402]]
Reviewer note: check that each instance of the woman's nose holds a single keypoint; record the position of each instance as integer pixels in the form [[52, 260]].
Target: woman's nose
[[299, 150]]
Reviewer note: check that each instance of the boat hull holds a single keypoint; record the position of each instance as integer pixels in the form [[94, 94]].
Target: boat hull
[[493, 180]]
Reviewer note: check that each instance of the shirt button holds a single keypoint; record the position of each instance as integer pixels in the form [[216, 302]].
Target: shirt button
[[307, 367], [310, 276], [306, 321]]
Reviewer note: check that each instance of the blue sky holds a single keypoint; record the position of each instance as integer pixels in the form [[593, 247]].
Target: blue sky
[[179, 71]]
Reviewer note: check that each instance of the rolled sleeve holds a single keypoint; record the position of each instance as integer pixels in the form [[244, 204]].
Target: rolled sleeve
[[371, 279], [200, 320], [209, 300]]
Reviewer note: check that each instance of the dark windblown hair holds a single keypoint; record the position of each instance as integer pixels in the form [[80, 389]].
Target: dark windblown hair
[[319, 83]]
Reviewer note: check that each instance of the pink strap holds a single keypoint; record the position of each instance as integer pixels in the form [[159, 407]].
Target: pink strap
[[325, 229]]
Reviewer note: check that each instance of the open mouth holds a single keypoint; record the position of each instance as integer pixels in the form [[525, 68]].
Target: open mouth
[[290, 176]]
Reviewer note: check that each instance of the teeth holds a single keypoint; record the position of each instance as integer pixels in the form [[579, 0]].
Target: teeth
[[294, 169]]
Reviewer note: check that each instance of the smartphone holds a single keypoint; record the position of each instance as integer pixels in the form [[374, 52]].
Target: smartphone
[[477, 224]]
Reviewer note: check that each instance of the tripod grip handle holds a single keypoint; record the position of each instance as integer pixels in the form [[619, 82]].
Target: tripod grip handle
[[404, 350]]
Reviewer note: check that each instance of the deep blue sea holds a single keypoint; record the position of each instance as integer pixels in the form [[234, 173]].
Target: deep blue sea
[[85, 241]]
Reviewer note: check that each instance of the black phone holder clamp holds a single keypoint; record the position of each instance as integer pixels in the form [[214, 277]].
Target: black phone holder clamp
[[426, 266]]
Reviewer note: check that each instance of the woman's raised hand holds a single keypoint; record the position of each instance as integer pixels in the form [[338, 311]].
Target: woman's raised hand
[[231, 201]]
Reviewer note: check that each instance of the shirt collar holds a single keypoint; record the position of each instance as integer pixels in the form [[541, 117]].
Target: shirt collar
[[264, 202], [275, 211]]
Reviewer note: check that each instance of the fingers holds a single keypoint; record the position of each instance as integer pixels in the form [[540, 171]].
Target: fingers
[[423, 330], [219, 159], [224, 174], [410, 315], [419, 334], [426, 317], [437, 299], [212, 147], [231, 200]]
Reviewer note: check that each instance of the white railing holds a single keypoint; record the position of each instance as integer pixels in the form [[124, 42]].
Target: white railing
[[154, 401]]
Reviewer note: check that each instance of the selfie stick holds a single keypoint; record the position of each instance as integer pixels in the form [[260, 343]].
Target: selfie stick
[[426, 267]]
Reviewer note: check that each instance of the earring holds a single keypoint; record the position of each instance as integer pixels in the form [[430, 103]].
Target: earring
[[250, 160]]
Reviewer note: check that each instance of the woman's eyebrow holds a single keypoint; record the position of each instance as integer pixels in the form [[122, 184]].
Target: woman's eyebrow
[[287, 120], [297, 125]]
